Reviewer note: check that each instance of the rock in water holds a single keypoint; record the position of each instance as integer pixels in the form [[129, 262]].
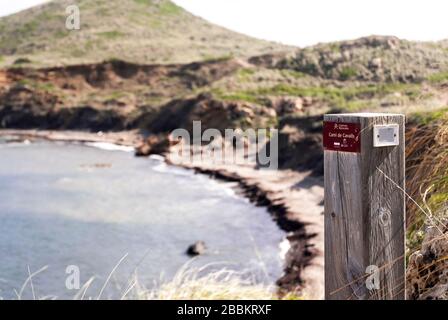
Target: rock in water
[[196, 249]]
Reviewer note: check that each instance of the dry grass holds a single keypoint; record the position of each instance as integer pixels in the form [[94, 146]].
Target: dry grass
[[427, 273], [190, 283], [426, 173], [193, 284], [427, 185]]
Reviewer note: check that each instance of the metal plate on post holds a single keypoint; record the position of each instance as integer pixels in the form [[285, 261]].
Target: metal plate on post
[[342, 136], [385, 135]]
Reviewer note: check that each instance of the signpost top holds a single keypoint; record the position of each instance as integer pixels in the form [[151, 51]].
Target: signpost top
[[364, 115]]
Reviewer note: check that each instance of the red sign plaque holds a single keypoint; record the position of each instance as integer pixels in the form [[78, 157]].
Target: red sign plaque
[[342, 136]]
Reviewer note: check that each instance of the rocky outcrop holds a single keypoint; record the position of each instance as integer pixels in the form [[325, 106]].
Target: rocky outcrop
[[116, 73], [289, 105], [25, 107], [212, 113], [270, 59], [117, 95], [154, 144], [427, 273]]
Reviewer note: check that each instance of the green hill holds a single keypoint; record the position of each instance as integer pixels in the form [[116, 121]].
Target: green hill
[[141, 31]]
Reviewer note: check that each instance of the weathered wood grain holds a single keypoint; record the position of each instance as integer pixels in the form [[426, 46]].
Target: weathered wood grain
[[364, 214]]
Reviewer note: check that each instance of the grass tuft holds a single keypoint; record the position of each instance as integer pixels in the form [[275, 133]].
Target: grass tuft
[[438, 77], [111, 35], [192, 284], [427, 170]]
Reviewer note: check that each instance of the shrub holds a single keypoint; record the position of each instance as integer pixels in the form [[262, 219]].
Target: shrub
[[22, 61], [348, 73]]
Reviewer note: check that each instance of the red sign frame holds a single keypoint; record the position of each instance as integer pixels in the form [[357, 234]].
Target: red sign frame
[[342, 136]]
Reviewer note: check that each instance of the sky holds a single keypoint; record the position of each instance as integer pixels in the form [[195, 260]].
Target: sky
[[307, 22], [8, 7]]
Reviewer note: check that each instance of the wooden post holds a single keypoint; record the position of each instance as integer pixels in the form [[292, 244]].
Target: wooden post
[[364, 206]]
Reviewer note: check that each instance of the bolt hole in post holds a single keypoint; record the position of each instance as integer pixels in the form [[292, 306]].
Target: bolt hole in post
[[364, 183]]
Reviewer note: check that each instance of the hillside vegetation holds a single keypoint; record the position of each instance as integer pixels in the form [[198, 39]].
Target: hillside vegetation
[[141, 31], [373, 59]]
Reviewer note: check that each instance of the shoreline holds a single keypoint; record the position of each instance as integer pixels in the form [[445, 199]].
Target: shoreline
[[123, 138], [284, 193], [295, 202]]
